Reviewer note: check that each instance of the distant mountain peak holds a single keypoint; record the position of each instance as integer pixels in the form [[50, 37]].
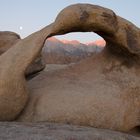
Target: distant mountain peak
[[99, 42], [66, 51], [73, 42], [53, 39]]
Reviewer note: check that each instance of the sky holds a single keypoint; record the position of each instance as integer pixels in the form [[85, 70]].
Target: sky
[[27, 16]]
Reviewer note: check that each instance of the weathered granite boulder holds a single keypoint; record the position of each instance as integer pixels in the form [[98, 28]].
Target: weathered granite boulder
[[7, 41], [101, 91]]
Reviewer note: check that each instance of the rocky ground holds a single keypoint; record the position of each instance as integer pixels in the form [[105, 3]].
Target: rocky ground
[[50, 131]]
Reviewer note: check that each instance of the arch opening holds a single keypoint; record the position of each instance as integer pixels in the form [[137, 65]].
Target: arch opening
[[72, 47]]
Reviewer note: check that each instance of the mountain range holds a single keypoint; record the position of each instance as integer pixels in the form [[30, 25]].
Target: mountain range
[[57, 51]]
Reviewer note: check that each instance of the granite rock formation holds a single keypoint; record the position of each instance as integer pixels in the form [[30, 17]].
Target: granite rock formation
[[8, 40], [101, 91]]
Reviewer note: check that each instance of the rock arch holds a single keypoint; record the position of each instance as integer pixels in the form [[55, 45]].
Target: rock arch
[[114, 29], [119, 60], [8, 40]]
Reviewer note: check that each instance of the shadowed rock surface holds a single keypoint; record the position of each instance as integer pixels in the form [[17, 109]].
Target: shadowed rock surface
[[48, 131], [7, 41], [101, 91]]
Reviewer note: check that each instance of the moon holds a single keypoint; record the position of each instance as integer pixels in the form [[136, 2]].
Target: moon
[[20, 27]]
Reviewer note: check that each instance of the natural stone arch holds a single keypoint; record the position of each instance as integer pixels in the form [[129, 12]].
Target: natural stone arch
[[121, 48], [90, 18]]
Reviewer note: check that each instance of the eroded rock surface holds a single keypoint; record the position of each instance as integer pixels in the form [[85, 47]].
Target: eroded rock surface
[[7, 41], [102, 91]]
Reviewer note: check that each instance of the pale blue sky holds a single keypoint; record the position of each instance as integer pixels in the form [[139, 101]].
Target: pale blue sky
[[32, 15]]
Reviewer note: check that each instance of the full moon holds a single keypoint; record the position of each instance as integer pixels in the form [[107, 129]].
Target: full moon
[[20, 27]]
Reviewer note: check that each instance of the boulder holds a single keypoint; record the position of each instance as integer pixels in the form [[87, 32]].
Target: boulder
[[7, 40], [101, 91]]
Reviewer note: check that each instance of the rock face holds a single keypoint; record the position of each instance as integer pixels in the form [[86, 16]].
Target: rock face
[[35, 67], [102, 91], [65, 52], [48, 131], [7, 41]]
